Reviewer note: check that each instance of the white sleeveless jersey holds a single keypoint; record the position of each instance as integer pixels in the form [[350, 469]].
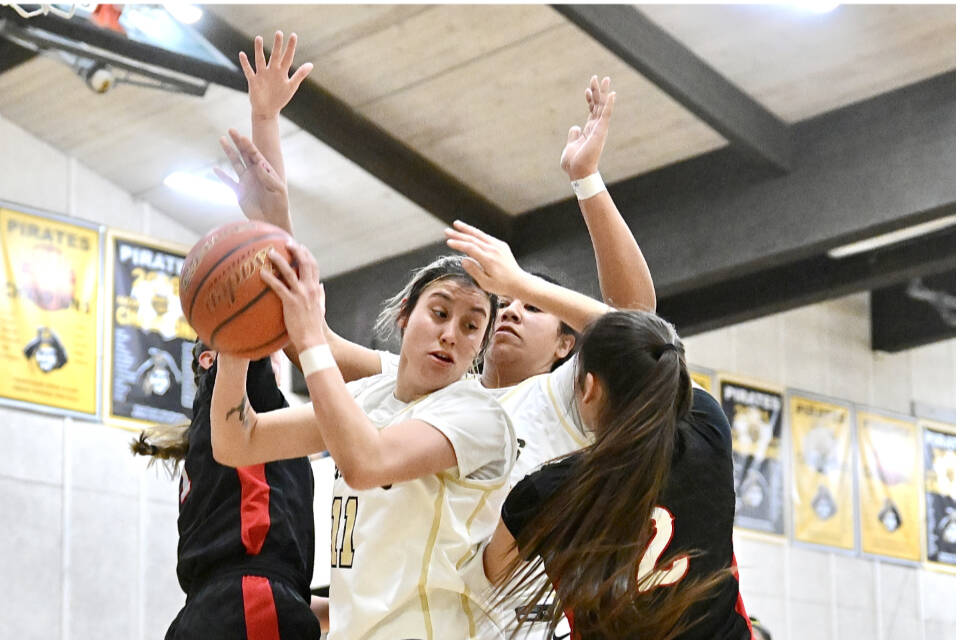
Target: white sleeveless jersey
[[547, 423], [404, 557]]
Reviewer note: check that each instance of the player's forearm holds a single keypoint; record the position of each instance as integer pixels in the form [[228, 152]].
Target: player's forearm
[[230, 412], [625, 280], [321, 609], [575, 309], [355, 361], [350, 437], [266, 137]]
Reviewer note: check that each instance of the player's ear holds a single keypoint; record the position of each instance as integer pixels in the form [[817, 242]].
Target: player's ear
[[207, 358]]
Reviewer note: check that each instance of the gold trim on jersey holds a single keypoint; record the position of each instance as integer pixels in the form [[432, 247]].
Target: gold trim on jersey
[[479, 485], [574, 432], [427, 555]]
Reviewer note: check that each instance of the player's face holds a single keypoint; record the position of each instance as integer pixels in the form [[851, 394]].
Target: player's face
[[442, 335], [526, 339]]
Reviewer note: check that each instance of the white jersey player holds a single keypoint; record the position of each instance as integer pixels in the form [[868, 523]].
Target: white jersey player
[[419, 452]]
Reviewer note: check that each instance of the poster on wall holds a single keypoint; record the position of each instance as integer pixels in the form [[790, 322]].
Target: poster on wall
[[889, 481], [822, 472], [49, 314], [148, 375], [756, 414], [702, 378], [940, 492]]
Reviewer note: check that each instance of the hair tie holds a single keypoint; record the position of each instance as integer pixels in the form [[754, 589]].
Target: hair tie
[[669, 346]]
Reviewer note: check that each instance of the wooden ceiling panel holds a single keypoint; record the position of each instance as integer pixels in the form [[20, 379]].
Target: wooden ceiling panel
[[424, 45], [799, 64], [320, 29], [501, 121]]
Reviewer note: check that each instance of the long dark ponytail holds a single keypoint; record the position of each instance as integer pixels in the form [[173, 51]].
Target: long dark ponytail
[[590, 536]]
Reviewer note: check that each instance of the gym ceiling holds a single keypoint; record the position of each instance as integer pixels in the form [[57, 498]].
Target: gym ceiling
[[746, 143]]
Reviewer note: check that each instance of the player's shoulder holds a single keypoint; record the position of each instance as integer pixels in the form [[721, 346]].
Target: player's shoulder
[[707, 418]]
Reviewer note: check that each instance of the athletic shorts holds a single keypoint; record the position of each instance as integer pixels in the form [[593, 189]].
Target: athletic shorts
[[252, 607]]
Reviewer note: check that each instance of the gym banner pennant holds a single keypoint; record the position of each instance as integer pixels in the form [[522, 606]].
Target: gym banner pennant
[[49, 342], [149, 378], [822, 496], [940, 491], [889, 480], [755, 414]]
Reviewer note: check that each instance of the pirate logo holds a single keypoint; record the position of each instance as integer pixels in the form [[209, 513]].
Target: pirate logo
[[889, 516], [46, 350], [823, 503], [820, 453], [153, 375], [158, 302]]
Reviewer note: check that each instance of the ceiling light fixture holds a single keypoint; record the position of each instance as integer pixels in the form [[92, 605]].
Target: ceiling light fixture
[[816, 6], [185, 13], [201, 187], [893, 237]]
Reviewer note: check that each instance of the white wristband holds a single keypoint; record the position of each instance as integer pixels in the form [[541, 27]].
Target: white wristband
[[316, 359], [588, 186]]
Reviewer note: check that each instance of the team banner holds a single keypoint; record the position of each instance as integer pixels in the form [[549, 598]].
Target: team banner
[[940, 491], [822, 496], [755, 415], [889, 478], [149, 377], [703, 379], [48, 315]]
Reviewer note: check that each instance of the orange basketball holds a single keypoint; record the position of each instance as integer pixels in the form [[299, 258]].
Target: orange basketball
[[223, 296]]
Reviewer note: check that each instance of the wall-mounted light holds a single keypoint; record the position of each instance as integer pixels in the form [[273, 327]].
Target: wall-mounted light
[[185, 13], [201, 187], [892, 237]]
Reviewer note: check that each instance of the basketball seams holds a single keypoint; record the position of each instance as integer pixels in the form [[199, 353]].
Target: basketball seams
[[188, 312]]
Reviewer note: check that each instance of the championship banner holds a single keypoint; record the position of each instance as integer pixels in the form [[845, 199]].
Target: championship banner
[[49, 319], [822, 496], [755, 415], [889, 478], [940, 492], [148, 378], [703, 379]]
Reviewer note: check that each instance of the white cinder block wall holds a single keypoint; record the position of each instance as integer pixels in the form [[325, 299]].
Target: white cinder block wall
[[88, 546], [89, 537], [805, 594]]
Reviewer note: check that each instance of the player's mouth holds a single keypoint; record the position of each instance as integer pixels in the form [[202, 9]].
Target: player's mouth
[[505, 328], [441, 357]]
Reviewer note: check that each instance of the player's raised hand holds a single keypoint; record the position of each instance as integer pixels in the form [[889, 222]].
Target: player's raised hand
[[489, 260], [270, 84], [260, 191], [581, 155]]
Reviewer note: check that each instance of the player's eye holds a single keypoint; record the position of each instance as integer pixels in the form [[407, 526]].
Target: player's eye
[[531, 308], [440, 313]]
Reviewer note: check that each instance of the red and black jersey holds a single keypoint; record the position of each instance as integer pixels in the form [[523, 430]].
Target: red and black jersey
[[255, 520], [695, 512]]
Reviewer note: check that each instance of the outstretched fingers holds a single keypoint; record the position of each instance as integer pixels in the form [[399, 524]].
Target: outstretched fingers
[[248, 72], [258, 53], [276, 53], [288, 52], [235, 160]]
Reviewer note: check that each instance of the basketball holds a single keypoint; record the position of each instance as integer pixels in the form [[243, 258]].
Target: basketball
[[223, 296]]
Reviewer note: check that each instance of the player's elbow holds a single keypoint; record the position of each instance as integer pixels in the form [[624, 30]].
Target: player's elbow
[[358, 477], [224, 454]]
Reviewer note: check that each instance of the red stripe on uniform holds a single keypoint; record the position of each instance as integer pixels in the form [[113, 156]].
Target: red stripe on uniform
[[259, 611], [254, 507], [741, 609]]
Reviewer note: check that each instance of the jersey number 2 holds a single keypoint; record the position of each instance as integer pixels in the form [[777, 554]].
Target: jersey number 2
[[342, 556], [647, 578]]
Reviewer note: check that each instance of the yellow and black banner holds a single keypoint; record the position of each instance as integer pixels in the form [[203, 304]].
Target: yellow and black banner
[[940, 491], [822, 496], [148, 377], [703, 379], [49, 339], [756, 415], [889, 478]]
